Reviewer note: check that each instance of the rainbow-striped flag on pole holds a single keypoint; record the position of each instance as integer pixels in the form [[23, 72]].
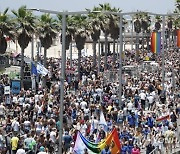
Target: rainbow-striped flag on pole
[[156, 42], [112, 140], [161, 119], [178, 38]]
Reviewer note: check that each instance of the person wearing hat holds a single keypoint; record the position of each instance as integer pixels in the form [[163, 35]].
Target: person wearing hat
[[42, 150]]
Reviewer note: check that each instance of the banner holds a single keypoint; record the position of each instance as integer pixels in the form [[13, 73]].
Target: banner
[[15, 86], [156, 42]]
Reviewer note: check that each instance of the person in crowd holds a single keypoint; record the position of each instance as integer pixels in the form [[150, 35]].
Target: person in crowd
[[30, 121]]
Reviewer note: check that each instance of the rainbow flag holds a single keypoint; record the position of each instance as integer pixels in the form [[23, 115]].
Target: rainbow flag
[[178, 38], [156, 42], [161, 119], [112, 140]]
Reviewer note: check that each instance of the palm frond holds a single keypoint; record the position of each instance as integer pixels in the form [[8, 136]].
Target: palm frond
[[5, 11]]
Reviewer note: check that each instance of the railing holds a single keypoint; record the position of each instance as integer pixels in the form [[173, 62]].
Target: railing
[[154, 151]]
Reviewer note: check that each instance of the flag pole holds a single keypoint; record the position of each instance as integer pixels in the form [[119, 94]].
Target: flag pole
[[120, 59], [163, 53]]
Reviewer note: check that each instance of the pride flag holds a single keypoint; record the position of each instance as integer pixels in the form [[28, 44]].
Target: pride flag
[[161, 119], [178, 38], [156, 42], [112, 140]]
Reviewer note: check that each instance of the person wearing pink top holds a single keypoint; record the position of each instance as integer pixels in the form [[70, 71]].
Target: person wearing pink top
[[135, 150]]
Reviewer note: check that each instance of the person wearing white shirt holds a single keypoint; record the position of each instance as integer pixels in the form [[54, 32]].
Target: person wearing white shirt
[[83, 105], [53, 135], [36, 97], [14, 100], [142, 96], [21, 100], [2, 111], [130, 106], [150, 99], [83, 128], [96, 123], [15, 125], [86, 113]]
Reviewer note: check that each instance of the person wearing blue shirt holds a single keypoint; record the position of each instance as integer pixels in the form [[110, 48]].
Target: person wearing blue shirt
[[106, 150], [67, 141], [136, 116], [74, 112], [125, 148], [150, 122], [130, 145], [124, 134], [131, 120], [146, 131]]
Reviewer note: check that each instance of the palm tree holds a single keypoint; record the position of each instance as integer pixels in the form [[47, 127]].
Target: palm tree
[[80, 35], [169, 28], [177, 5], [104, 19], [114, 33], [69, 30], [6, 30], [114, 28], [158, 23], [94, 30], [176, 22], [137, 29], [145, 24], [25, 28], [46, 29]]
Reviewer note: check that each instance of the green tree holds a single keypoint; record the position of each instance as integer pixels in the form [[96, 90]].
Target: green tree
[[6, 30], [158, 23], [94, 30], [25, 28], [145, 25], [46, 29], [69, 30], [104, 19], [137, 29], [80, 35], [114, 28]]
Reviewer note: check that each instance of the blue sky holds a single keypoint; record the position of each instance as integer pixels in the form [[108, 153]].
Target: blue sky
[[156, 6]]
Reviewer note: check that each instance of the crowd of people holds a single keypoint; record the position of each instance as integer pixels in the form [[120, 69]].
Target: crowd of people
[[146, 117]]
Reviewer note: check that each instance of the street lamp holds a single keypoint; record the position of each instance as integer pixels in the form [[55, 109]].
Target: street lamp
[[63, 61]]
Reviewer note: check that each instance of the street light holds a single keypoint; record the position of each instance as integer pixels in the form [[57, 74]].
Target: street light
[[63, 61]]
